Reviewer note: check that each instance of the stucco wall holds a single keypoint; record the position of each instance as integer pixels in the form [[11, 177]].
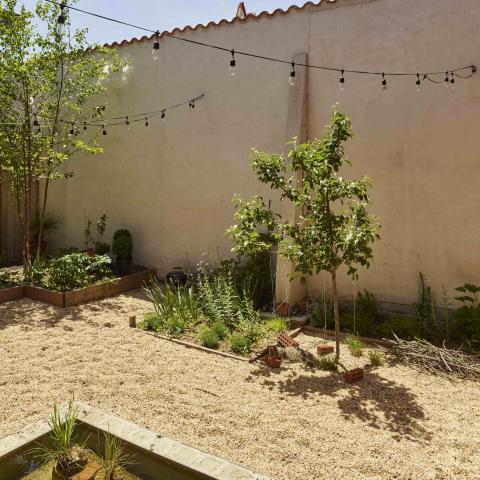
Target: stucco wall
[[171, 183]]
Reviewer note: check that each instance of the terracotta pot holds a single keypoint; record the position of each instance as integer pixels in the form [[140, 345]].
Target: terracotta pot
[[87, 472]]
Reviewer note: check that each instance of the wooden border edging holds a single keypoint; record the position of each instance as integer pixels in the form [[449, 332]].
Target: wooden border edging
[[193, 345], [11, 293], [331, 333]]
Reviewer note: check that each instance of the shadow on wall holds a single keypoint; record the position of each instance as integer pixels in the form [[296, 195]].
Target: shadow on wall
[[380, 403]]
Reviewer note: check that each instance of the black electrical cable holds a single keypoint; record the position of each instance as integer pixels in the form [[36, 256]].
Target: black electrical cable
[[253, 55]]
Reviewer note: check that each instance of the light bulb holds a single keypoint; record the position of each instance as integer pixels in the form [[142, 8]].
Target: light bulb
[[104, 132], [447, 81], [452, 82], [156, 47], [341, 83], [291, 80], [163, 115], [384, 83], [61, 21], [417, 83], [146, 122], [233, 64]]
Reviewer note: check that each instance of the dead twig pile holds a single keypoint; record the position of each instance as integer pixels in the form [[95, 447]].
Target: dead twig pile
[[437, 360]]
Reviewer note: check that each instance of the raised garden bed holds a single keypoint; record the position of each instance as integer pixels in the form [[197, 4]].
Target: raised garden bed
[[105, 289]]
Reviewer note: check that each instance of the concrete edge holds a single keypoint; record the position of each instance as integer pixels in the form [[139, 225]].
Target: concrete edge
[[193, 459]]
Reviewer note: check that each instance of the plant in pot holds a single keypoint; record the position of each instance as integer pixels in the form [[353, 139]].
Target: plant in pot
[[122, 248], [67, 456], [50, 225], [101, 247]]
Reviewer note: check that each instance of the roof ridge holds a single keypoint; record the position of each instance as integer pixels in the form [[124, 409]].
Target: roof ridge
[[223, 21]]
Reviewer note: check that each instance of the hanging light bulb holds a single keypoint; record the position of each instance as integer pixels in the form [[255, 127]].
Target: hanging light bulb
[[447, 80], [146, 121], [84, 125], [163, 115], [192, 104], [233, 64], [61, 20], [104, 131], [418, 82], [384, 83], [156, 47], [291, 80], [452, 82], [341, 83], [72, 130], [127, 123]]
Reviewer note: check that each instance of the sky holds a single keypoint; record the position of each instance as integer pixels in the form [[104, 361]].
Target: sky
[[157, 14]]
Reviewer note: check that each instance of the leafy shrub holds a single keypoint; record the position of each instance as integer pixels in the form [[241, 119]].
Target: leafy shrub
[[122, 245], [151, 321], [175, 326], [239, 343], [467, 317], [277, 324], [252, 330], [355, 345], [73, 271], [321, 313], [327, 363], [220, 329], [376, 358], [403, 327], [209, 338], [220, 300], [363, 324]]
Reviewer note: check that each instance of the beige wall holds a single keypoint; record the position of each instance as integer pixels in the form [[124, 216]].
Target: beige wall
[[171, 183]]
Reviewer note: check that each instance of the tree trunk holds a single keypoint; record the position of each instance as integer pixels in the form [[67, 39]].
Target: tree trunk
[[336, 315]]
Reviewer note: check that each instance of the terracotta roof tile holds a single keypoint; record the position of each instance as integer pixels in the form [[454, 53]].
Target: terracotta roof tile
[[224, 21]]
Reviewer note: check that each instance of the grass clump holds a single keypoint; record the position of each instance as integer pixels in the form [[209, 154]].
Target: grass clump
[[239, 343], [277, 324], [208, 337], [327, 363], [175, 326], [376, 358], [114, 458], [354, 345]]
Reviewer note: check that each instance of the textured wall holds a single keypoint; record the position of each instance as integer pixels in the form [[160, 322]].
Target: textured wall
[[171, 183]]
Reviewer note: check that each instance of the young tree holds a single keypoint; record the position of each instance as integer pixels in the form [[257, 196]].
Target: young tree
[[48, 82], [334, 227]]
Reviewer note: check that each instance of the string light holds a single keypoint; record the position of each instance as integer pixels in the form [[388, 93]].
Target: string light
[[72, 131], [163, 115], [192, 104], [84, 125], [452, 81], [262, 57], [104, 132], [233, 64], [156, 46], [146, 121], [61, 20], [418, 82], [342, 81], [447, 80], [127, 122], [384, 83], [291, 80]]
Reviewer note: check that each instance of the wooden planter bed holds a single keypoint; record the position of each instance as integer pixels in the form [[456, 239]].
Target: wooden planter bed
[[109, 288], [11, 293]]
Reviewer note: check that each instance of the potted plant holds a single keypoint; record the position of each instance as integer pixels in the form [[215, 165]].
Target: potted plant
[[50, 225], [101, 247], [122, 248], [61, 448]]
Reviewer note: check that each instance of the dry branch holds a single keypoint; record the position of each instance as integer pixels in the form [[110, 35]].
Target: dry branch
[[437, 360]]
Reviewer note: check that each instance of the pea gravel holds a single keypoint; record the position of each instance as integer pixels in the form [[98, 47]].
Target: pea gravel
[[293, 424]]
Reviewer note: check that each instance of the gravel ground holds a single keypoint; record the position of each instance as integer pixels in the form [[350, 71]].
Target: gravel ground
[[292, 424]]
